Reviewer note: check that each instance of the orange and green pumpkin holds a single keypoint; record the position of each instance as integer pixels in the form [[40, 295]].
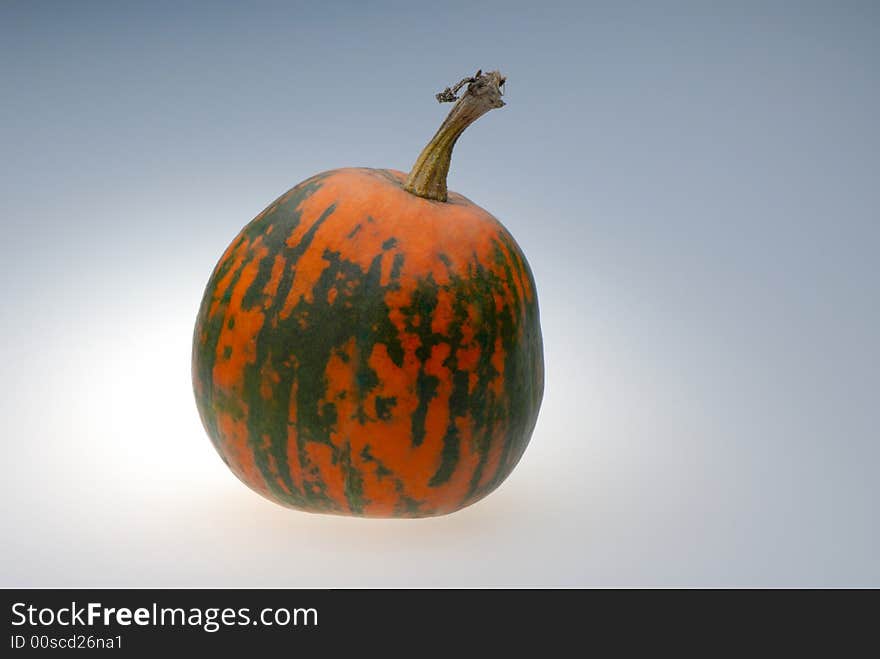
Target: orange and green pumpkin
[[370, 344]]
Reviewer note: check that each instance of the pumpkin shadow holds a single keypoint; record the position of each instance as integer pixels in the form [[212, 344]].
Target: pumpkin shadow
[[247, 516], [227, 536]]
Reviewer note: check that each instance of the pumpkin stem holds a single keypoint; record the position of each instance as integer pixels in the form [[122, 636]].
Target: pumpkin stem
[[428, 176]]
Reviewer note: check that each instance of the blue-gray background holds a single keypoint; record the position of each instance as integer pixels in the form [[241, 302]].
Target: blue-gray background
[[696, 186]]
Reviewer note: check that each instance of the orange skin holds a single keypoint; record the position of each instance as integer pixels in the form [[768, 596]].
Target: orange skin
[[363, 458]]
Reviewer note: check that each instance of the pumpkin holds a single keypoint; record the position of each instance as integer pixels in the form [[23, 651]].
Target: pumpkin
[[370, 344]]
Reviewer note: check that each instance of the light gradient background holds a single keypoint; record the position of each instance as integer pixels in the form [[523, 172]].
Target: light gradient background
[[695, 184]]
